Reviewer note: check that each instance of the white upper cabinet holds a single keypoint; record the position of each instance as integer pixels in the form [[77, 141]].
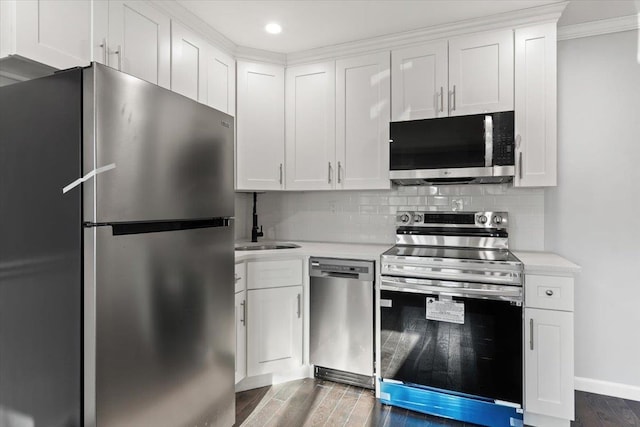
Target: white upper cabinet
[[536, 107], [419, 82], [362, 121], [138, 41], [200, 71], [481, 73], [310, 127], [260, 126], [53, 32]]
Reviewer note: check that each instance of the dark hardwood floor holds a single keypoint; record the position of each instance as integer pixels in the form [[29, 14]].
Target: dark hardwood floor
[[310, 402]]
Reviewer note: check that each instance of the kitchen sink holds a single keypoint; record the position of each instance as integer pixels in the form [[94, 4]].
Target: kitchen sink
[[266, 246]]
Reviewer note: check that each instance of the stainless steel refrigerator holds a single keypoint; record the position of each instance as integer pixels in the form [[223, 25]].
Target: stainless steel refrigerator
[[116, 296]]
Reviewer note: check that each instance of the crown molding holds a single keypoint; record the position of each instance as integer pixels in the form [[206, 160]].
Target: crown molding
[[596, 28], [187, 18], [514, 19], [244, 53]]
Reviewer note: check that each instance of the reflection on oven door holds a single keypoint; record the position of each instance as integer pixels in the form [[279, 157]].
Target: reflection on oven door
[[480, 357]]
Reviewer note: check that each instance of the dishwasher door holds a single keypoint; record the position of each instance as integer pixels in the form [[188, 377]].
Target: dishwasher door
[[341, 320]]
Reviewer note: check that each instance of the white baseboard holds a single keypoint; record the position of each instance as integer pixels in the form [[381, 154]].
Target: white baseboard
[[624, 391]]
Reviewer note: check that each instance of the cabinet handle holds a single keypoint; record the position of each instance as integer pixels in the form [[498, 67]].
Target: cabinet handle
[[549, 292], [531, 334], [243, 320], [103, 45], [329, 174], [339, 173], [441, 99], [520, 165], [280, 173], [119, 53], [298, 305], [453, 97]]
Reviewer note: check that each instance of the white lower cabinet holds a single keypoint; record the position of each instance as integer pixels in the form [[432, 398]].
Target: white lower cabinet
[[241, 322], [548, 351], [274, 330]]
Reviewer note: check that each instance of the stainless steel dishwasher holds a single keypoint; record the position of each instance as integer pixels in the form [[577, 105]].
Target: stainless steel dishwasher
[[341, 320]]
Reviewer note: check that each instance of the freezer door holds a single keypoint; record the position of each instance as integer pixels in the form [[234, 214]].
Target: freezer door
[[159, 328], [173, 156]]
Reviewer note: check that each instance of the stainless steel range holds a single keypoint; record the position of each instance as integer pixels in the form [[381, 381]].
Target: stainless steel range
[[451, 318]]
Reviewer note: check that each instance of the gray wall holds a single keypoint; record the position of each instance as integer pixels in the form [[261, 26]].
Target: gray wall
[[592, 216]]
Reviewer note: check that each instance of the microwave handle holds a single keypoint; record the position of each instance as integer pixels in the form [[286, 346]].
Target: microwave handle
[[488, 140]]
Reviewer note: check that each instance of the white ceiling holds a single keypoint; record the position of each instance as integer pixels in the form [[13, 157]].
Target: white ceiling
[[308, 24]]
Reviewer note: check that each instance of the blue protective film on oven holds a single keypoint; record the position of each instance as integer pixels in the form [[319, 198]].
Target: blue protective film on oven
[[451, 406]]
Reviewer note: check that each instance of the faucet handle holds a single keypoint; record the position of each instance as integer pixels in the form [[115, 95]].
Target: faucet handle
[[260, 233]]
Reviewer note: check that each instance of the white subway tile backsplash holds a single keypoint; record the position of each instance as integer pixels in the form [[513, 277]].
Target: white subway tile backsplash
[[369, 216]]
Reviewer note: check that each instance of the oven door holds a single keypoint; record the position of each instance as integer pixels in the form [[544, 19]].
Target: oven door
[[464, 338]]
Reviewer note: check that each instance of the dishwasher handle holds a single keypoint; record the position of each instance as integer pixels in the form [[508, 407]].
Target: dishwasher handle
[[339, 275]]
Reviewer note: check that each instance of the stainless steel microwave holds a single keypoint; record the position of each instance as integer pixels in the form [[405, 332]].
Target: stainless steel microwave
[[464, 149]]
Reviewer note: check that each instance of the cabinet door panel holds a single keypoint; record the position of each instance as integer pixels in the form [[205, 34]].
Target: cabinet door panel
[[535, 99], [549, 363], [220, 81], [186, 58], [54, 32], [310, 122], [362, 121], [419, 82], [260, 128], [274, 330], [481, 73], [139, 41]]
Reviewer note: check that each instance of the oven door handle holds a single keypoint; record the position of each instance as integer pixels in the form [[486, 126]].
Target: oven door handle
[[454, 289]]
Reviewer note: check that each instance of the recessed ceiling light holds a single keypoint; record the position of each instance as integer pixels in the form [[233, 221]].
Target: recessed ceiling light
[[273, 28]]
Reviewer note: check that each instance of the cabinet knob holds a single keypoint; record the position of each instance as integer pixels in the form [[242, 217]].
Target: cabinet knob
[[549, 292]]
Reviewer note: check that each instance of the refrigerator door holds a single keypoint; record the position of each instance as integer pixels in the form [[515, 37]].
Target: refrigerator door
[[173, 156], [40, 252], [159, 328]]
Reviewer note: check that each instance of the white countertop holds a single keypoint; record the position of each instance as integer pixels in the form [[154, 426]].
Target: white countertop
[[319, 249], [534, 262], [546, 263]]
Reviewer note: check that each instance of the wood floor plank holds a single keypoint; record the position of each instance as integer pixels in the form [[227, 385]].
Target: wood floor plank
[[246, 403], [296, 409], [634, 406], [264, 415], [322, 412], [585, 415], [599, 405], [378, 415], [345, 406], [361, 410], [621, 412]]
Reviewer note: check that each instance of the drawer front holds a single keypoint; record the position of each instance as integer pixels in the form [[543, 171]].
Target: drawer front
[[274, 274], [240, 277], [548, 292]]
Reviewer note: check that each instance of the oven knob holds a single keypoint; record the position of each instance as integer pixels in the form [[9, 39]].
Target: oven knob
[[404, 218], [497, 219], [482, 219], [417, 218]]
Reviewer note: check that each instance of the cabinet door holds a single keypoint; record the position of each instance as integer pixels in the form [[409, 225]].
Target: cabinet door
[[139, 41], [260, 128], [419, 82], [241, 336], [535, 99], [187, 61], [274, 330], [219, 85], [481, 73], [362, 121], [549, 363], [310, 127], [54, 32]]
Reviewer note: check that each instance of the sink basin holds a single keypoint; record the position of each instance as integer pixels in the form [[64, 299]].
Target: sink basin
[[266, 246]]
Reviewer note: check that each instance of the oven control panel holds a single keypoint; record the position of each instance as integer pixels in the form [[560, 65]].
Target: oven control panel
[[484, 219]]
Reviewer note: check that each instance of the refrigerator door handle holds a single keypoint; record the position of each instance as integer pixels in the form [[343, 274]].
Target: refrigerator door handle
[[140, 227]]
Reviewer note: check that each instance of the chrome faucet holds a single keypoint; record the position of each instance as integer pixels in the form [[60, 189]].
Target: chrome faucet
[[254, 230]]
